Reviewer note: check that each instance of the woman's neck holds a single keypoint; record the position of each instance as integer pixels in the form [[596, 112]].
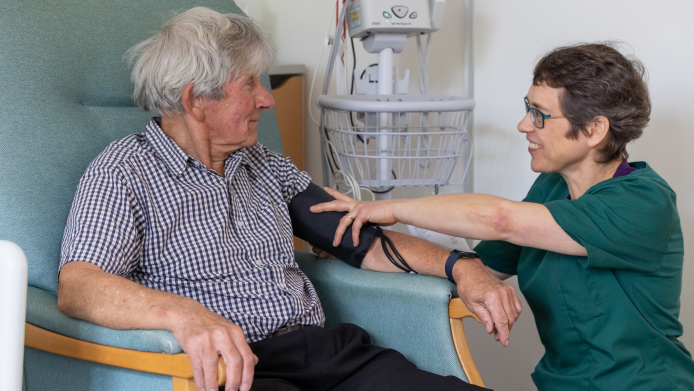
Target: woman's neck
[[582, 177]]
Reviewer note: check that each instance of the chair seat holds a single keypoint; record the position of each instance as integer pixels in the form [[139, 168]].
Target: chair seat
[[42, 311]]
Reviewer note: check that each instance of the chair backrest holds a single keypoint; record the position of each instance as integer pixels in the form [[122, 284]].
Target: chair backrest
[[67, 95]]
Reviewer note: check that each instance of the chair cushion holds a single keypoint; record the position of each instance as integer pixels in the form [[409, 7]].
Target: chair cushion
[[405, 312], [42, 311], [66, 96]]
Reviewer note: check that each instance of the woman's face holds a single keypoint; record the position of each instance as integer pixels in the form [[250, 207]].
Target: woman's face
[[550, 149]]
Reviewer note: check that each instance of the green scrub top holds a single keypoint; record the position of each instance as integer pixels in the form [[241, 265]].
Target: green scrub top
[[608, 321]]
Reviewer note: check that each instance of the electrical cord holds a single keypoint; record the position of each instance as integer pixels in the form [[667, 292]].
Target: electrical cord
[[354, 65], [315, 72]]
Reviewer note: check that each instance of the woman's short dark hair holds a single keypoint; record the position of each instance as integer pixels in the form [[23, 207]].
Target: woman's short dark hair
[[599, 81]]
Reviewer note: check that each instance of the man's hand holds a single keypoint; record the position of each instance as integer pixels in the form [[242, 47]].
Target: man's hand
[[492, 300], [204, 336]]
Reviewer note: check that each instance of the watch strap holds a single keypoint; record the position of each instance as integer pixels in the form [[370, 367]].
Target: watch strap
[[453, 257]]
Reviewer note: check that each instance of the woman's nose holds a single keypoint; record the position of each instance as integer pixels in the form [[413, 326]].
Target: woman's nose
[[526, 124]]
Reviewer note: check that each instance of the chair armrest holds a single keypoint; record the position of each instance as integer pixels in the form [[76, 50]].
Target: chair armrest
[[42, 311], [406, 312], [174, 365], [154, 351]]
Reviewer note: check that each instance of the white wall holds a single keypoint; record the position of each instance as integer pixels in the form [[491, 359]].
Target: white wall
[[509, 36]]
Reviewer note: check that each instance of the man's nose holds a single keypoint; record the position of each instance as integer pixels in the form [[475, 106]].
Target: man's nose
[[265, 101]]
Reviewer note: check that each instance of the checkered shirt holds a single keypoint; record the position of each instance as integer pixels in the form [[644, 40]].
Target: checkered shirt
[[147, 211]]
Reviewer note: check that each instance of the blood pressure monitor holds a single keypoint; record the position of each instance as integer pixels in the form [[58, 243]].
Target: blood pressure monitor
[[410, 17]]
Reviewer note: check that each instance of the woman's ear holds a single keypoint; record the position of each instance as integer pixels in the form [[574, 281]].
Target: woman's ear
[[596, 131], [193, 104]]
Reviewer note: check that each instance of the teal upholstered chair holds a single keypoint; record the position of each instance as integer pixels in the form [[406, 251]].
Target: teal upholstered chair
[[66, 95]]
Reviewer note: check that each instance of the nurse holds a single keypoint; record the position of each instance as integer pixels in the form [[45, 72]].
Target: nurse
[[596, 244]]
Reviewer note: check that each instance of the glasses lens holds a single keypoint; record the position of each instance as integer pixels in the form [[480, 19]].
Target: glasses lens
[[537, 118], [535, 115]]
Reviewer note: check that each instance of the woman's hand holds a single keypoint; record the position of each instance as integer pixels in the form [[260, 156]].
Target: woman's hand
[[358, 213]]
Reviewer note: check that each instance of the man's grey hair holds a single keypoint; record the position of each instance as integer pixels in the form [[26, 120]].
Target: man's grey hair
[[199, 46]]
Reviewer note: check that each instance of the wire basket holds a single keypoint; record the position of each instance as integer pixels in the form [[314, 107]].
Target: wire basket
[[395, 140]]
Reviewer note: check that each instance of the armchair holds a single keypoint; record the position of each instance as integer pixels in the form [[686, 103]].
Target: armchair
[[67, 95]]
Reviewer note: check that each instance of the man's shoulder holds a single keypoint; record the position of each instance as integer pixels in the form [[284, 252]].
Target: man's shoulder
[[120, 152], [262, 153], [262, 157]]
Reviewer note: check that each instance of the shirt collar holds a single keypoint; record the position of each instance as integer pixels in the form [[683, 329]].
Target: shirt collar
[[624, 169], [173, 156], [178, 161]]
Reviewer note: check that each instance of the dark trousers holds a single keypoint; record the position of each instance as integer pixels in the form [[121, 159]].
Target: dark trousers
[[340, 358]]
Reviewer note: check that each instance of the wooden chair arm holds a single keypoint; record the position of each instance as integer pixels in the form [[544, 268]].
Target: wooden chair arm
[[457, 311], [175, 365]]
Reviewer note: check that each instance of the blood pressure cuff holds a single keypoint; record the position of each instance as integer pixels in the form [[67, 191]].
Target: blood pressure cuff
[[319, 228]]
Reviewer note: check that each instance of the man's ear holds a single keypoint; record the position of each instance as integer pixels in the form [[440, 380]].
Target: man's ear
[[596, 131], [193, 104]]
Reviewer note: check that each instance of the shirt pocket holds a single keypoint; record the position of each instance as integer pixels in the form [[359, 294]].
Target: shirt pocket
[[580, 290]]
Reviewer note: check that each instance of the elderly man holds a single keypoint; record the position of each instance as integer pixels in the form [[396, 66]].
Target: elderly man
[[186, 227]]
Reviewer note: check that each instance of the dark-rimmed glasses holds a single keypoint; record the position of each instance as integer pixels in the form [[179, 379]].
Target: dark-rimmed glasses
[[536, 115]]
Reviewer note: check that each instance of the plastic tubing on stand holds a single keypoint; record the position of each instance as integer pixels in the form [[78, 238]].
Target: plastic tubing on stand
[[326, 85], [385, 87]]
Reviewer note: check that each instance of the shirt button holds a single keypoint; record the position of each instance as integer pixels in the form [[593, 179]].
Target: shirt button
[[240, 223]]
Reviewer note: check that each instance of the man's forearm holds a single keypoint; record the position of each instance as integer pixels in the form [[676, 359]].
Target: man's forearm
[[422, 256], [86, 292], [493, 301]]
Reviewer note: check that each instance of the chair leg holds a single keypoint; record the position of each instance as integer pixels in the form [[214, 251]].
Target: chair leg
[[181, 384]]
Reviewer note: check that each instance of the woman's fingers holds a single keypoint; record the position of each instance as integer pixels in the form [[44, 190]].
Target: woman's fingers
[[332, 206], [338, 195], [345, 221], [356, 227]]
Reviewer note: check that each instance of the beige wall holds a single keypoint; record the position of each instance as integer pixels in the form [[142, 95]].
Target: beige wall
[[509, 36]]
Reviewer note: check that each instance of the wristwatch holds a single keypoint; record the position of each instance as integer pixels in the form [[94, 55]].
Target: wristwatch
[[453, 258]]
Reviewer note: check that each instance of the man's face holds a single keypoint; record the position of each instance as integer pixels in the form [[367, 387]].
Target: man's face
[[232, 122]]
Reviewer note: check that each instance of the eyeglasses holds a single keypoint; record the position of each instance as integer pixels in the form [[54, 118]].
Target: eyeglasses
[[536, 115]]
